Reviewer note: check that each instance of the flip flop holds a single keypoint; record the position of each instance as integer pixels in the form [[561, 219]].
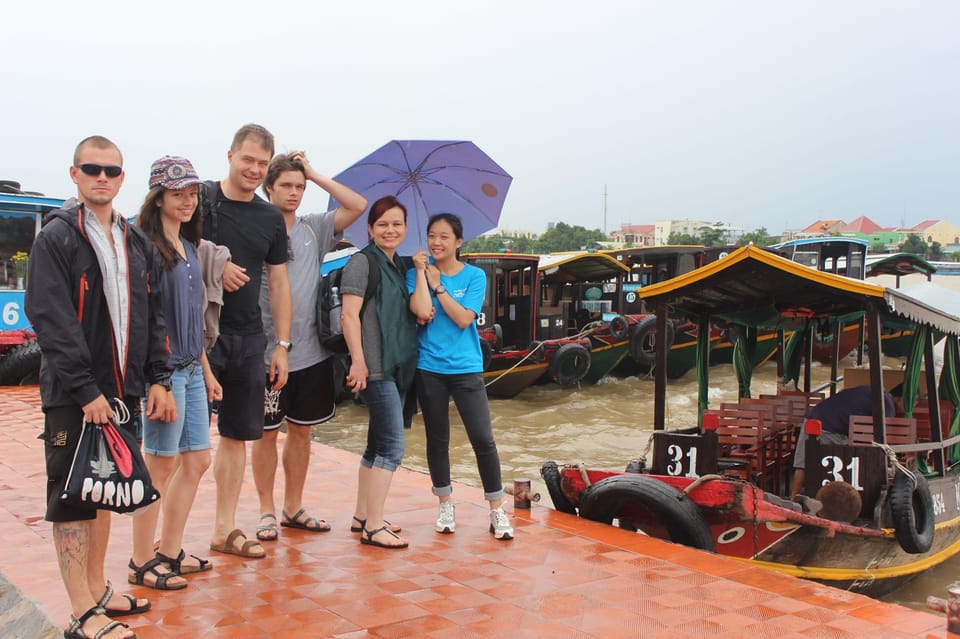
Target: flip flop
[[228, 548], [363, 522], [268, 532], [310, 523], [133, 610]]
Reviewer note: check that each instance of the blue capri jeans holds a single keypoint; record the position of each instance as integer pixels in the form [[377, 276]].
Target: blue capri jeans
[[191, 430], [385, 439]]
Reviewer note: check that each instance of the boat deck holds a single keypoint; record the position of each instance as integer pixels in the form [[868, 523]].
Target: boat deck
[[561, 577]]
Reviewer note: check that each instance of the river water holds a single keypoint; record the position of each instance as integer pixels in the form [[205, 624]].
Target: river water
[[602, 426]]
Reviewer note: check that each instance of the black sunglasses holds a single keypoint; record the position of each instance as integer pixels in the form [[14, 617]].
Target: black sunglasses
[[93, 170]]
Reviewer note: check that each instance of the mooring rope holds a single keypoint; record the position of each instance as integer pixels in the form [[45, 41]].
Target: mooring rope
[[893, 461]]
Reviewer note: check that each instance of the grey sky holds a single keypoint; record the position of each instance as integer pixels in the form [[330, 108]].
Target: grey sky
[[754, 113]]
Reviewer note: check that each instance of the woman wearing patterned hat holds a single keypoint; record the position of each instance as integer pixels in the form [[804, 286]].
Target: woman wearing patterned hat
[[171, 217]]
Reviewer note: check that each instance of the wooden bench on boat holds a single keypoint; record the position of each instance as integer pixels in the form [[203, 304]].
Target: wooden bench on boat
[[752, 440], [901, 431]]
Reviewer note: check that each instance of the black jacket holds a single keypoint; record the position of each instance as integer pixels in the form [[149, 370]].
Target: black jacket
[[68, 311]]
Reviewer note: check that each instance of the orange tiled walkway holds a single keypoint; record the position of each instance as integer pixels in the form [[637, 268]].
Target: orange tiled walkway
[[561, 577]]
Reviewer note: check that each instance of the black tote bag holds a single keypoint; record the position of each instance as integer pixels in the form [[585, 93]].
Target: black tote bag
[[108, 472]]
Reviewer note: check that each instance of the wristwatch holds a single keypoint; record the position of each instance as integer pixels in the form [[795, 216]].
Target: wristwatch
[[439, 290], [284, 343]]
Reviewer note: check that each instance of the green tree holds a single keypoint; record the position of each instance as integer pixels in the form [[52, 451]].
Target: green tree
[[522, 245], [758, 237], [484, 244], [878, 247], [683, 238], [955, 256], [913, 244], [563, 237], [711, 236], [935, 251]]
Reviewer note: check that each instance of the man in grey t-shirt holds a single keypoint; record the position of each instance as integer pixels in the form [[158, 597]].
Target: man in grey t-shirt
[[308, 397]]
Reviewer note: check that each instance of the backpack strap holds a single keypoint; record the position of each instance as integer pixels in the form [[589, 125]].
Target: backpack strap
[[373, 281], [210, 207]]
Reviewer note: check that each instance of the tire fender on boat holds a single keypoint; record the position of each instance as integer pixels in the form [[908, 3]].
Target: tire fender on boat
[[535, 352], [551, 477], [644, 339], [570, 364], [619, 328], [487, 352], [678, 514], [912, 510]]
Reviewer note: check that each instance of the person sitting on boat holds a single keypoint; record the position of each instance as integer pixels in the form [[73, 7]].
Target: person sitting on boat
[[834, 415]]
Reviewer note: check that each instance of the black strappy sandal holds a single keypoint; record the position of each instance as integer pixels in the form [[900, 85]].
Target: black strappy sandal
[[134, 609], [363, 522], [176, 565], [162, 578], [367, 537], [75, 629]]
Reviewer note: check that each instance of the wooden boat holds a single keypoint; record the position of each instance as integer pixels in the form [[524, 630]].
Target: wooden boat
[[21, 216], [577, 295], [518, 347], [721, 484], [650, 265]]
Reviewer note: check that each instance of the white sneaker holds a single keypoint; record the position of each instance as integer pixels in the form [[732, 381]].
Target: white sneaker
[[500, 524], [447, 518]]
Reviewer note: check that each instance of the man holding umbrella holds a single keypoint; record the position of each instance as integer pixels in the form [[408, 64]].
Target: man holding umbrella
[[308, 397]]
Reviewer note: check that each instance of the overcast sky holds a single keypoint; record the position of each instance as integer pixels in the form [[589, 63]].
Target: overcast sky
[[753, 113]]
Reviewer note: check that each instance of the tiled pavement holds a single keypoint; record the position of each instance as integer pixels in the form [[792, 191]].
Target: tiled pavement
[[561, 577]]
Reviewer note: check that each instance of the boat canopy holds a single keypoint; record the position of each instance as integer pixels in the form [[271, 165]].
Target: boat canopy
[[504, 261], [580, 266], [754, 287], [898, 264], [27, 203]]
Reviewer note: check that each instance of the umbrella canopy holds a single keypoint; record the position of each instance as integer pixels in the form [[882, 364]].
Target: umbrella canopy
[[429, 177]]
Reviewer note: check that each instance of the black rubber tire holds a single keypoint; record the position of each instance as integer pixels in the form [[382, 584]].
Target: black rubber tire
[[487, 351], [644, 340], [679, 515], [912, 510], [570, 364], [21, 365], [619, 328], [551, 477]]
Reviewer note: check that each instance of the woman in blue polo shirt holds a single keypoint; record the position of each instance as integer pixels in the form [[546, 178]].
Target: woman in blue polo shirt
[[446, 296]]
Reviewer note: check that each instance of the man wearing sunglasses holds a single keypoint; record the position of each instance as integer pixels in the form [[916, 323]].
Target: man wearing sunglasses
[[254, 231], [94, 304]]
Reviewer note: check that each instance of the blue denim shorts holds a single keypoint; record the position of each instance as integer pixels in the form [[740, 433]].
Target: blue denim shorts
[[191, 429]]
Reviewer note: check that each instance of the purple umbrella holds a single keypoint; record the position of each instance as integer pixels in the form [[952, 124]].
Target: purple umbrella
[[429, 177]]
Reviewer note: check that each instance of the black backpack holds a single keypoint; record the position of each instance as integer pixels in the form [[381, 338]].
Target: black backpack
[[210, 206], [329, 328]]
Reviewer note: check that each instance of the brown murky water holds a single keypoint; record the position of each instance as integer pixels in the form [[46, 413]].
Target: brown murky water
[[602, 426]]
